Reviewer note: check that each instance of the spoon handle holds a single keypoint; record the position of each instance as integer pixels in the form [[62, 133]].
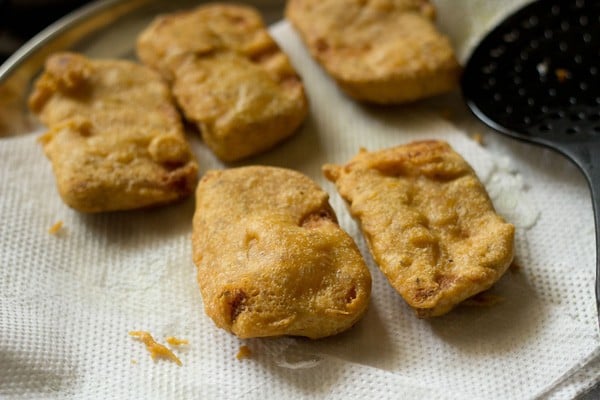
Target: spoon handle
[[587, 158]]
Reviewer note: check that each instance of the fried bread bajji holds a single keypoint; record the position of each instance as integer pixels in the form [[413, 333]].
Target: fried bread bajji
[[381, 51], [428, 221], [115, 138], [229, 77], [271, 257]]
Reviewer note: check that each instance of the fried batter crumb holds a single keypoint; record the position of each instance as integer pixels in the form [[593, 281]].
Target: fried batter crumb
[[133, 361], [56, 228], [244, 352], [173, 341], [477, 138], [562, 74], [156, 349]]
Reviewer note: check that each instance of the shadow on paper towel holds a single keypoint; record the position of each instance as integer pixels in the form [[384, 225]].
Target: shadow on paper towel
[[496, 329], [124, 229]]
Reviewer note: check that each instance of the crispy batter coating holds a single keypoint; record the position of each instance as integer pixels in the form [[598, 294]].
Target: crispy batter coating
[[381, 51], [229, 77], [115, 139], [428, 221], [271, 257]]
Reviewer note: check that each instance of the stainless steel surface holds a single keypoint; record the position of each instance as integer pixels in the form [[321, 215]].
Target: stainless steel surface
[[100, 29], [105, 28]]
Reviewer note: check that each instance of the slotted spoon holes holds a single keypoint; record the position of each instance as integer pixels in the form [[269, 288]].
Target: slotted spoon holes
[[577, 122], [530, 22], [534, 65]]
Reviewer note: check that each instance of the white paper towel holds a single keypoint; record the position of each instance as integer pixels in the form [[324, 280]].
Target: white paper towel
[[68, 301]]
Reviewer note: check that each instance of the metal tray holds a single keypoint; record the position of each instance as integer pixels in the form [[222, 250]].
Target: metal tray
[[105, 28]]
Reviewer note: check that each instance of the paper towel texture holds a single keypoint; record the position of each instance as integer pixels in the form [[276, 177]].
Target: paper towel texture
[[67, 301]]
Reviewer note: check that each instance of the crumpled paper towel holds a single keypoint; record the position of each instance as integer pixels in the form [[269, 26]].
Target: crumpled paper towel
[[68, 301]]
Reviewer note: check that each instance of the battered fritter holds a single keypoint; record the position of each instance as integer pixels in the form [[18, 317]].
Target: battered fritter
[[229, 77], [381, 51], [428, 221], [115, 138], [271, 257]]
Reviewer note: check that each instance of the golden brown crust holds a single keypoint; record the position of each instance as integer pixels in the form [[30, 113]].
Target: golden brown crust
[[271, 258], [382, 51], [115, 139], [229, 77], [428, 221]]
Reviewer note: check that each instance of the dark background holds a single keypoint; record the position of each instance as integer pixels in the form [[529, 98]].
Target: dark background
[[22, 19]]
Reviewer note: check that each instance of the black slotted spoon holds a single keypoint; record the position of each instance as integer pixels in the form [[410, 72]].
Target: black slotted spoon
[[536, 77]]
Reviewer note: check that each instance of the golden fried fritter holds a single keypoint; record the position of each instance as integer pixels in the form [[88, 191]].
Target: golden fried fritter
[[381, 51], [115, 138], [271, 257], [428, 221], [229, 77]]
